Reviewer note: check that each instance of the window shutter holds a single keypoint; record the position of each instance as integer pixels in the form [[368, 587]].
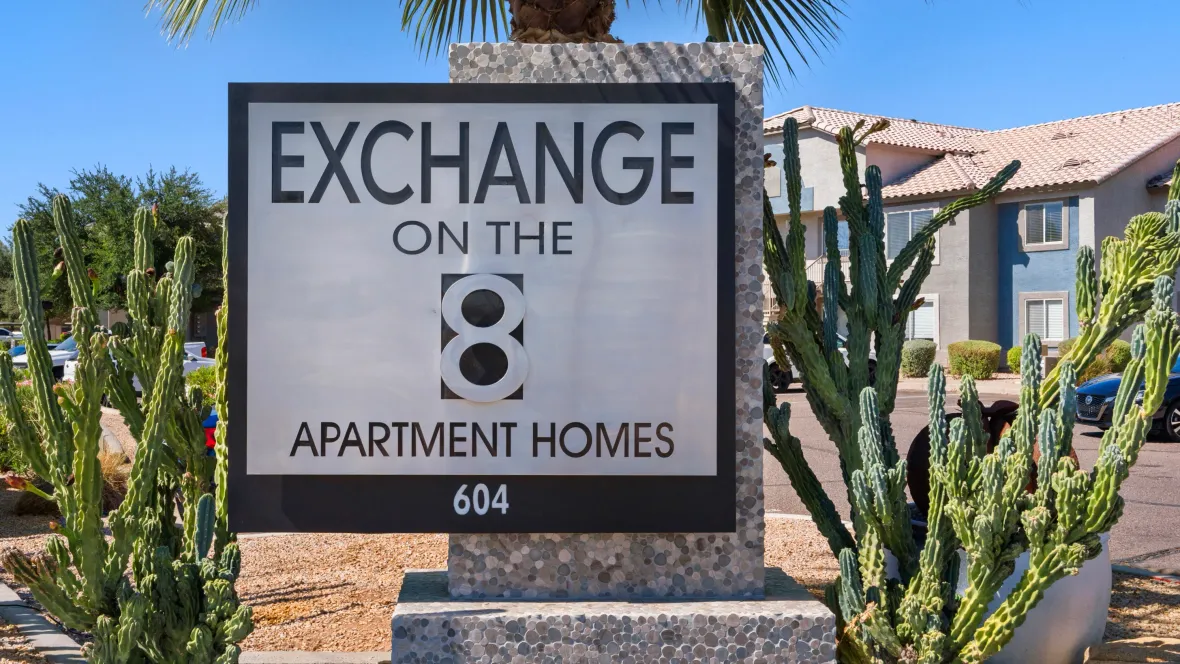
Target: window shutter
[[922, 322], [920, 218], [1034, 318], [1034, 224], [898, 224], [1054, 319], [1053, 225]]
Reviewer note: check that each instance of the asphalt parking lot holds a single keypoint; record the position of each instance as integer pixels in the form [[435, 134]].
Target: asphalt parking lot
[[1148, 535]]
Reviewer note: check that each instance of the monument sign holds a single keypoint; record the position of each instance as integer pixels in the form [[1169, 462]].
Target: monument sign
[[482, 308]]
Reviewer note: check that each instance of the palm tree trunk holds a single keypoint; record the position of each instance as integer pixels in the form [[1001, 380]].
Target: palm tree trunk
[[562, 21]]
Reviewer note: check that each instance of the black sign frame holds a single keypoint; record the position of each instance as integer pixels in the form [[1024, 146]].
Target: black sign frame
[[424, 503]]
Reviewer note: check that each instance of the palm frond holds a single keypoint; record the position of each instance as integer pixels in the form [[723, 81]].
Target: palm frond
[[180, 19], [787, 29], [435, 22]]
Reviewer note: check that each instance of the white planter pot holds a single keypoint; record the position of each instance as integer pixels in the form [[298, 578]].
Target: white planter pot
[[1070, 617]]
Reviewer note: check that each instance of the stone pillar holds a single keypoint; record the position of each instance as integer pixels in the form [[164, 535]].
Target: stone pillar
[[655, 565], [523, 597]]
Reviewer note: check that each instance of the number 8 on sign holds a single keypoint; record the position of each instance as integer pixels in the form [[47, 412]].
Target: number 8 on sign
[[483, 362]]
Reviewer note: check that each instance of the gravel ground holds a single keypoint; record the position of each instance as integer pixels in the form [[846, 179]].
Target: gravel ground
[[112, 421], [15, 649], [329, 592], [337, 592], [1140, 606]]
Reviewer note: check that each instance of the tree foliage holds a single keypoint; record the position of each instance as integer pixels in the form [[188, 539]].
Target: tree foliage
[[104, 205]]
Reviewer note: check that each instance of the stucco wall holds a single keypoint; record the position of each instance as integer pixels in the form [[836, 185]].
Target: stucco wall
[[948, 281], [1038, 271], [1125, 195], [894, 161], [984, 282]]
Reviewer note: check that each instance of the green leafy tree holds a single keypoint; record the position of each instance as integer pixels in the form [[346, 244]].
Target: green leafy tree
[[787, 28], [104, 206]]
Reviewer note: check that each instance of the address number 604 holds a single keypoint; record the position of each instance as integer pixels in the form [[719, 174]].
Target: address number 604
[[481, 500]]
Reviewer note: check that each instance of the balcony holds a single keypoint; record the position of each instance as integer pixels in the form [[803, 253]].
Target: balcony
[[815, 270]]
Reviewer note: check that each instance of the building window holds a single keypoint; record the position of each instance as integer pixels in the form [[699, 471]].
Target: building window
[[1044, 223], [773, 183], [923, 323], [1045, 318], [900, 227]]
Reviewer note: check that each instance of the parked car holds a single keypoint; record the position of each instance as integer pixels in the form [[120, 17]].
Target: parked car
[[196, 348], [7, 335], [60, 354], [782, 377], [191, 364], [1096, 403]]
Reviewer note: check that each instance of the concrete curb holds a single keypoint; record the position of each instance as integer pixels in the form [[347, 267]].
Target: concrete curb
[[1157, 575], [46, 637]]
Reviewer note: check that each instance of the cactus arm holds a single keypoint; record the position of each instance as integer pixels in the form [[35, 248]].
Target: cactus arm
[[81, 289], [21, 432], [789, 452], [58, 438], [127, 520], [1130, 267], [223, 536], [987, 192]]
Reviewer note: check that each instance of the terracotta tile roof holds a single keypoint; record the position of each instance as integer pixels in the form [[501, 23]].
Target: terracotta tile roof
[[901, 132], [1067, 152]]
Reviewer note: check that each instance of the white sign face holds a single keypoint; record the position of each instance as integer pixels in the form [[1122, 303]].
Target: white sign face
[[495, 291]]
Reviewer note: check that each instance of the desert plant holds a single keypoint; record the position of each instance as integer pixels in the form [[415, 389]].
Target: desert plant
[[150, 593], [978, 359], [11, 458], [204, 379], [1111, 359], [1013, 359], [916, 357], [876, 301], [1119, 355], [799, 26], [978, 498]]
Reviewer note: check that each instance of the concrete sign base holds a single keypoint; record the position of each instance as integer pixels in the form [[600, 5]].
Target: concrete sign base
[[787, 625]]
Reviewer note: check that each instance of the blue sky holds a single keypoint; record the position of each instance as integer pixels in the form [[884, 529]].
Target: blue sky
[[88, 81]]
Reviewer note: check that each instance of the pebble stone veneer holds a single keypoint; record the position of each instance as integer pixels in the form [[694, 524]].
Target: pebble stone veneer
[[640, 565], [788, 625]]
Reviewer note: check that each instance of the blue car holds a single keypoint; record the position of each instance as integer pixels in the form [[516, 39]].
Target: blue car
[[1096, 401]]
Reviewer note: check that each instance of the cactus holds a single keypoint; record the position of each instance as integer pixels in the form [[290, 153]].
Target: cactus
[[151, 592], [877, 305], [979, 500]]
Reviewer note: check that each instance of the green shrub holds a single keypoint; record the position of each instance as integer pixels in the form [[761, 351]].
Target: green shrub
[[10, 457], [1119, 354], [1099, 367], [978, 359], [1113, 359], [206, 379], [1014, 359], [916, 357], [1064, 346]]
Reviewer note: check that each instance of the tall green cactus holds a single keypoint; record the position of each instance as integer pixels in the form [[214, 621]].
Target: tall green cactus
[[150, 593], [876, 305], [978, 499]]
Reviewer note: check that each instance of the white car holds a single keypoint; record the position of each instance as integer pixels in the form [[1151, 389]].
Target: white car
[[60, 354], [66, 352], [13, 338], [191, 364], [782, 377]]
